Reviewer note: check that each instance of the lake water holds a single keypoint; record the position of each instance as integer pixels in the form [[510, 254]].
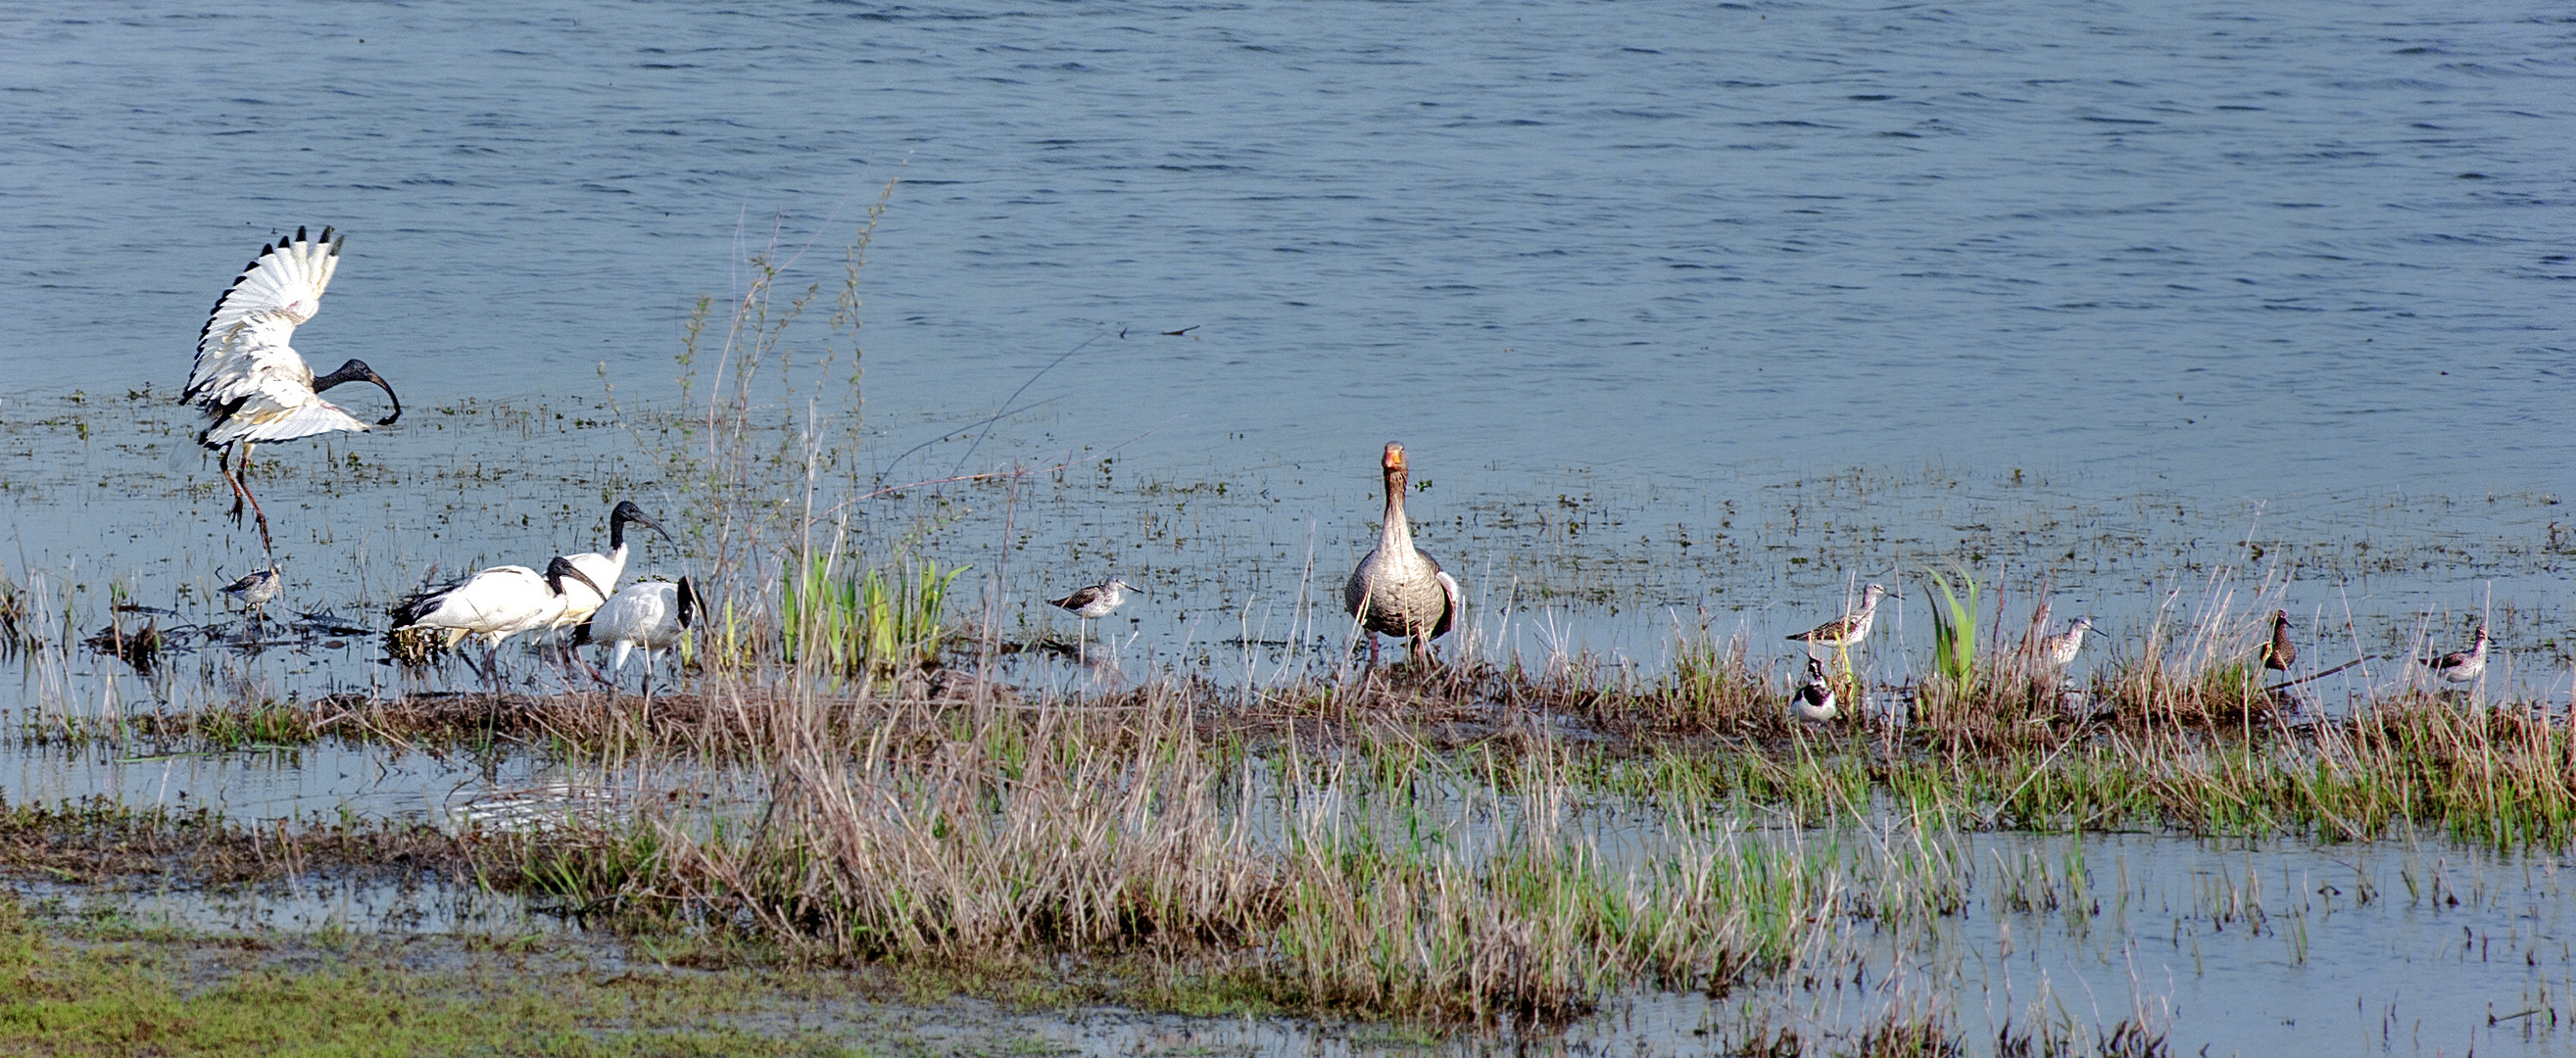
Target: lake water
[[1678, 307], [2289, 255]]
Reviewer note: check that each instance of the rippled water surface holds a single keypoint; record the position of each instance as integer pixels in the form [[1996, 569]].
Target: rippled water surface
[[2303, 250]]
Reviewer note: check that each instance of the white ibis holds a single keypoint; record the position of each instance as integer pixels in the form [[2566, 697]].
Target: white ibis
[[1398, 590], [2461, 666], [2280, 653], [254, 590], [2058, 651], [1841, 632], [254, 387], [1096, 601], [1815, 698], [495, 603], [649, 614], [602, 571]]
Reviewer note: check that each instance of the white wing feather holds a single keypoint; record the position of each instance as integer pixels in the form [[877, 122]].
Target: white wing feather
[[279, 410], [244, 344]]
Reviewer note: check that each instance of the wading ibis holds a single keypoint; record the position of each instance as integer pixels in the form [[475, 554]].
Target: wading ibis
[[252, 386]]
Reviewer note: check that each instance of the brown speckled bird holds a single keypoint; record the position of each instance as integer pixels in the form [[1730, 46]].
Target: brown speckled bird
[[2280, 653], [1841, 632], [2461, 666]]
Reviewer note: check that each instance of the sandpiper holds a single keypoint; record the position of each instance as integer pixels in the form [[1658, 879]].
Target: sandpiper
[[1841, 632], [2058, 651], [2461, 666], [1098, 600], [2280, 653], [1815, 699], [254, 590]]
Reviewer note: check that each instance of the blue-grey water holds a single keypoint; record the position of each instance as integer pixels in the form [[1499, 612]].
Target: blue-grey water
[[1680, 308], [2296, 250]]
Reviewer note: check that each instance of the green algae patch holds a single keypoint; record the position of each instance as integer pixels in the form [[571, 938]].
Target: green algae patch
[[60, 996]]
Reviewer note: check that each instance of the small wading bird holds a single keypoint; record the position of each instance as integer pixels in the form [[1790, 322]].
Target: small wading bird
[[2461, 666], [1097, 601], [1815, 699], [254, 590], [2058, 651], [1398, 590], [1841, 632], [602, 571], [254, 387], [495, 604], [2280, 653], [652, 615]]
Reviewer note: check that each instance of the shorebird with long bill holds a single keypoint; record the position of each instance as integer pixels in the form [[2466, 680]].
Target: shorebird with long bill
[[254, 590], [1398, 589], [252, 385], [1092, 603], [2058, 651], [1841, 632], [2461, 666], [2280, 653]]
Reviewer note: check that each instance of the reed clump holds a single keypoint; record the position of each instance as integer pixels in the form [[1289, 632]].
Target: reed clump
[[1355, 876], [880, 622], [1713, 687]]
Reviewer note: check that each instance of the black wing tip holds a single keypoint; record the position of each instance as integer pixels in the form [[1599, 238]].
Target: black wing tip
[[413, 607]]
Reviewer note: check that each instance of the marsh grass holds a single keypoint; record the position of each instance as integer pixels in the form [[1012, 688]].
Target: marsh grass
[[880, 622], [1362, 878], [17, 629]]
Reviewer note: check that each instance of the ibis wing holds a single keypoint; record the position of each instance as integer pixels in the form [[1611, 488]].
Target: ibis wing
[[278, 409], [244, 342]]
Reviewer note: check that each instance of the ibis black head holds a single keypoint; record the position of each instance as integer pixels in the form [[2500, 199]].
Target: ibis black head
[[561, 568], [626, 511], [358, 371], [690, 604]]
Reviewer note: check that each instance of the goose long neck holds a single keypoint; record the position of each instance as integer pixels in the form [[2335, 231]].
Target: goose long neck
[[1398, 533]]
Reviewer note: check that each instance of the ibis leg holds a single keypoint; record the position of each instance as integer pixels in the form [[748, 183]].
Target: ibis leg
[[241, 492]]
